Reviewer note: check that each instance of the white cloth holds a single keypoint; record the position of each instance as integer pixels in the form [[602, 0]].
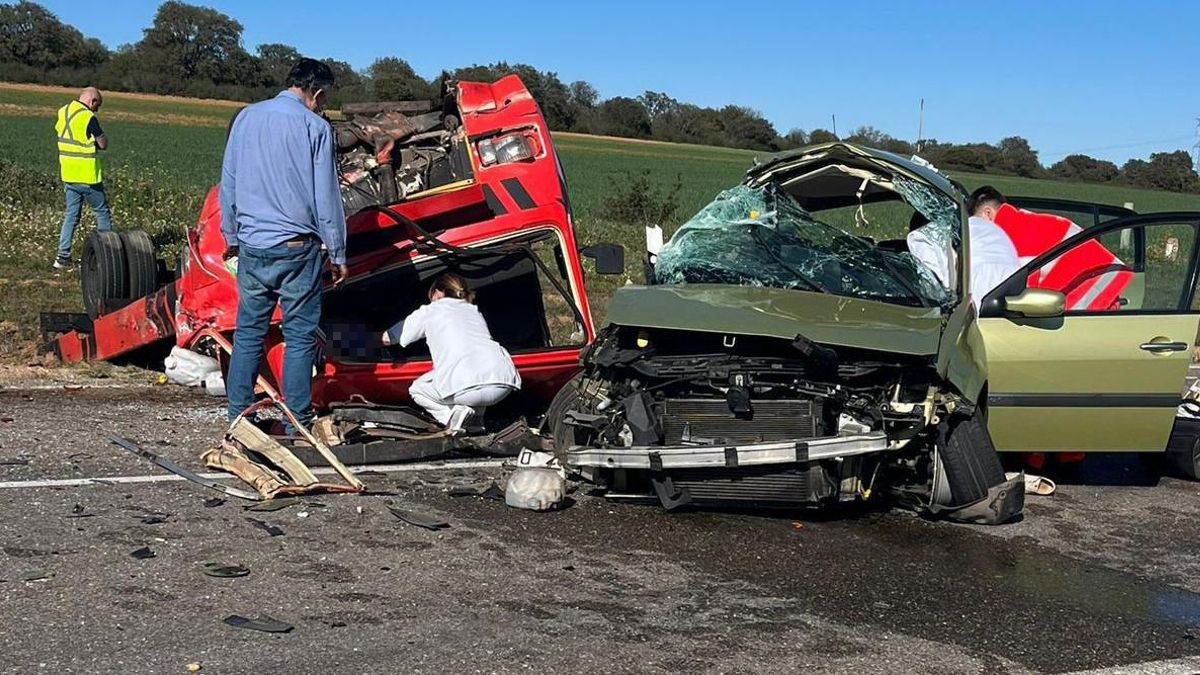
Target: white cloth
[[993, 256], [464, 354]]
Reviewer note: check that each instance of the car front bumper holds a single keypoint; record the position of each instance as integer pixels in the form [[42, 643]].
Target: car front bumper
[[665, 458]]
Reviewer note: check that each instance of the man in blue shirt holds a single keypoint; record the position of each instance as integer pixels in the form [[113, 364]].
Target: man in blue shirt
[[280, 201]]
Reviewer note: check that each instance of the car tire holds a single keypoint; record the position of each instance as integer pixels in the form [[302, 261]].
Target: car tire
[[1183, 449], [103, 274], [140, 263], [553, 424], [970, 484]]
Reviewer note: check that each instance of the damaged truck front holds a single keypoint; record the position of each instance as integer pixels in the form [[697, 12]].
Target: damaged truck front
[[469, 183], [774, 358]]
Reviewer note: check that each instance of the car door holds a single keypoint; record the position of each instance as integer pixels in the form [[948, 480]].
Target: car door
[[1106, 372]]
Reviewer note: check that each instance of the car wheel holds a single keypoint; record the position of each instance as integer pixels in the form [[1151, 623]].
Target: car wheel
[[1183, 450], [554, 425], [140, 262], [969, 482], [104, 275]]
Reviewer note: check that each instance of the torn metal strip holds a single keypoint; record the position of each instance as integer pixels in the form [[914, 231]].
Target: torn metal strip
[[184, 472]]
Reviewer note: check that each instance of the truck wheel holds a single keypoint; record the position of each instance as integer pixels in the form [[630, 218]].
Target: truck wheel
[[969, 484], [139, 260], [104, 276]]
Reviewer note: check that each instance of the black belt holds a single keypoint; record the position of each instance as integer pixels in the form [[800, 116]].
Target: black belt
[[299, 240]]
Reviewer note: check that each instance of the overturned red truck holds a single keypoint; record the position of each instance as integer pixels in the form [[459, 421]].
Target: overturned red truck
[[469, 184]]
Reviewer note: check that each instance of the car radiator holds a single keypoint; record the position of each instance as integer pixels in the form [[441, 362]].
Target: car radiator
[[708, 421], [762, 486]]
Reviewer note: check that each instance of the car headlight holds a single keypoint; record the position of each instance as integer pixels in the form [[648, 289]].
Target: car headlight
[[507, 149]]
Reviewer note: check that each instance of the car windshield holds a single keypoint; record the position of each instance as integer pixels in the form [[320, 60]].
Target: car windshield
[[762, 237]]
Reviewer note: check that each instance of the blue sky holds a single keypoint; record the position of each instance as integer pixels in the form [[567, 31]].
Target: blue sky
[[1113, 79]]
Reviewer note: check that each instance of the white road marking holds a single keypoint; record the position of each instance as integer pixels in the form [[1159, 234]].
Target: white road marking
[[170, 477], [1185, 666]]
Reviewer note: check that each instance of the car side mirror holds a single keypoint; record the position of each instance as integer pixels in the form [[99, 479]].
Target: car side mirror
[[1036, 303], [609, 258]]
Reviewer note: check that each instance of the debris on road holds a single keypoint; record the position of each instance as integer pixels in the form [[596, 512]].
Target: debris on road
[[225, 571], [179, 470], [143, 553], [263, 623], [14, 461], [273, 530], [272, 505], [538, 484], [419, 519], [287, 475], [213, 502]]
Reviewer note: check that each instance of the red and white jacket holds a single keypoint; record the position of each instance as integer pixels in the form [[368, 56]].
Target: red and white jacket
[[1090, 276]]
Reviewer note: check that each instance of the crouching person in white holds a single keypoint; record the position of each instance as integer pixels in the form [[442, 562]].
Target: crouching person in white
[[471, 371]]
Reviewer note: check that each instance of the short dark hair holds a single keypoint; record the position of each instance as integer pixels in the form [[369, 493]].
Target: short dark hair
[[984, 195], [310, 75]]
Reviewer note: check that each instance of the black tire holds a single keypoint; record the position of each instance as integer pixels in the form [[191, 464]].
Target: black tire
[[553, 425], [140, 262], [103, 274], [970, 461]]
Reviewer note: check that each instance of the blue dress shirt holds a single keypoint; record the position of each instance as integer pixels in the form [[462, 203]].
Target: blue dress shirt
[[279, 178]]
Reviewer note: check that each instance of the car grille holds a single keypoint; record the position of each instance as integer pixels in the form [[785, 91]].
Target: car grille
[[762, 486], [707, 420]]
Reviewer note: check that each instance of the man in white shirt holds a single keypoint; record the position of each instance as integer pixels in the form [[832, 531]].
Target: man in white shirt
[[993, 255]]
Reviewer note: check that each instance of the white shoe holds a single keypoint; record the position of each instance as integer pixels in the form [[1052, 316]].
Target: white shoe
[[64, 265], [459, 416]]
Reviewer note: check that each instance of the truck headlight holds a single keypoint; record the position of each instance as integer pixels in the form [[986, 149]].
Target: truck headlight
[[507, 148]]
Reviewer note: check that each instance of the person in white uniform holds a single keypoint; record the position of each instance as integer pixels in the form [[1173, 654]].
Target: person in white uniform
[[993, 255], [471, 371]]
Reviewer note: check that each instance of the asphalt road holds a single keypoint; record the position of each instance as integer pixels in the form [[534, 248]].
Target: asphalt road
[[1102, 575]]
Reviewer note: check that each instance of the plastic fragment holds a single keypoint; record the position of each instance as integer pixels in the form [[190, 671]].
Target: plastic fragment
[[213, 501], [225, 571], [143, 553], [419, 519], [272, 505], [273, 530], [263, 623]]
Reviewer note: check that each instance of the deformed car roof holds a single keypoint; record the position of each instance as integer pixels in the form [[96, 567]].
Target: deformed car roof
[[794, 161]]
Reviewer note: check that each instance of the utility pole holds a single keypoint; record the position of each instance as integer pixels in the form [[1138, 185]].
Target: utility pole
[[1196, 148], [921, 126], [835, 135]]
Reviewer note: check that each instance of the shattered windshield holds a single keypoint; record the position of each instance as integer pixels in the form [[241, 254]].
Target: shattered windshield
[[763, 237]]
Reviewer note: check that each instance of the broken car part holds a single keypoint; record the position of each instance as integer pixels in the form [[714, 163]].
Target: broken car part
[[272, 530], [419, 519], [263, 624], [178, 470], [225, 571]]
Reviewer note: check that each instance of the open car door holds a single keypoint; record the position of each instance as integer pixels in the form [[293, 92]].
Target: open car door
[[1085, 355]]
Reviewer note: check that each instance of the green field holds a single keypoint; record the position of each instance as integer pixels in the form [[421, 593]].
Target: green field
[[165, 154]]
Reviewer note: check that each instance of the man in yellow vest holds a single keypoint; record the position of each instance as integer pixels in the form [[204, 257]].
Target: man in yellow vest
[[80, 139]]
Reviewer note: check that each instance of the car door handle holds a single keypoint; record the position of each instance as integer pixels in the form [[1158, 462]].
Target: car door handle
[[1160, 347]]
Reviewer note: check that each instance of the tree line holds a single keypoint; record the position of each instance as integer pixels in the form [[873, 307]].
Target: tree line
[[197, 51]]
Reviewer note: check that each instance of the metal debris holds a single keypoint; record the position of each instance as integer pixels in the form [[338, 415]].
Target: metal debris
[[263, 623], [225, 571], [273, 530], [419, 519], [143, 553]]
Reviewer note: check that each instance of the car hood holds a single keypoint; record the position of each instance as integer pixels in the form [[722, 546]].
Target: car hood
[[771, 312]]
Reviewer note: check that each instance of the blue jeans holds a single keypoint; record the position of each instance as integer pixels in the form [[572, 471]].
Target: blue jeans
[[77, 194], [289, 274]]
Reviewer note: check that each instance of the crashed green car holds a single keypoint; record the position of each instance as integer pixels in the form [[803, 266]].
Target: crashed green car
[[788, 349]]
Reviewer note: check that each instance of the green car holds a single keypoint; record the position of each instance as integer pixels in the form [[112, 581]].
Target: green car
[[789, 349]]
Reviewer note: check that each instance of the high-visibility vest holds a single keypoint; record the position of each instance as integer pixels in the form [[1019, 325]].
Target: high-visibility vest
[[77, 158], [1089, 275]]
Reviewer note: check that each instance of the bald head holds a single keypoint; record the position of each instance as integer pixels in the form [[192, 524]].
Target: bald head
[[91, 97]]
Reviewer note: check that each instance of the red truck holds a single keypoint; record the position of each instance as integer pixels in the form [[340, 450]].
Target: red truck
[[470, 184]]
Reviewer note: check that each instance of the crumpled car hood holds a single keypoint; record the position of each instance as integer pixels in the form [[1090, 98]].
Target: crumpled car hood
[[771, 312]]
